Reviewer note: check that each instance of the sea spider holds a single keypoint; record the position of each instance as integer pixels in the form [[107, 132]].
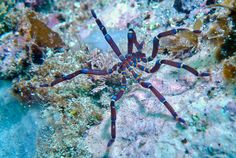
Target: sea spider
[[128, 62]]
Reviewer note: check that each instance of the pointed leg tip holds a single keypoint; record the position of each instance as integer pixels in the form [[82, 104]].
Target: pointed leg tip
[[204, 74], [197, 31], [182, 122], [93, 14], [111, 141], [43, 85]]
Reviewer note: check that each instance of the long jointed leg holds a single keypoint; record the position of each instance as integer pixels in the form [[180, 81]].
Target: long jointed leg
[[138, 45], [132, 39], [136, 76], [163, 101], [164, 34], [108, 37], [156, 67], [82, 71], [113, 111], [186, 67], [178, 65]]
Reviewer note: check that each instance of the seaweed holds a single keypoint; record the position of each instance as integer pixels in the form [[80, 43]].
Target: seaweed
[[43, 35], [38, 36], [229, 70], [228, 49], [227, 43]]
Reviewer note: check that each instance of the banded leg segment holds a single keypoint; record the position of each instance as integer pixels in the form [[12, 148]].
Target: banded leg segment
[[137, 76], [132, 40], [138, 45], [156, 67], [175, 31], [82, 71], [163, 101], [113, 111], [164, 34], [108, 37], [182, 65]]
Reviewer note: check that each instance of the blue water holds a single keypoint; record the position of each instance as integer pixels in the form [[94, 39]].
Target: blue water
[[19, 126], [96, 39]]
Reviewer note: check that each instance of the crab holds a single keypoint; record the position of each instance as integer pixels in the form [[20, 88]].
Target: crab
[[130, 62]]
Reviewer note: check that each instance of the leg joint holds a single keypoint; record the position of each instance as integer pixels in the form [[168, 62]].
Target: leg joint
[[113, 98], [107, 37], [113, 120], [146, 84], [156, 38], [130, 35], [180, 65], [84, 71], [121, 57], [150, 58], [162, 100], [66, 77], [109, 71], [158, 62]]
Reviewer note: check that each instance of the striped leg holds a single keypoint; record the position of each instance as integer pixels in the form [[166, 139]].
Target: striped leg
[[82, 71], [156, 67], [137, 76], [108, 37], [132, 35], [113, 112], [164, 34], [163, 101], [130, 41], [186, 67]]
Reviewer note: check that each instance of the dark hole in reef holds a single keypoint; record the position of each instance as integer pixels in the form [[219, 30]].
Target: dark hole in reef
[[37, 54], [178, 5], [228, 49], [209, 2], [40, 5]]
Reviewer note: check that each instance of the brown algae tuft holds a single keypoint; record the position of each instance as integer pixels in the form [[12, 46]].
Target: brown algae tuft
[[229, 70], [39, 36], [43, 35]]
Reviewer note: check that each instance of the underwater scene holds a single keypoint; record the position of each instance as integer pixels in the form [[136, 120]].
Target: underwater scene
[[117, 79]]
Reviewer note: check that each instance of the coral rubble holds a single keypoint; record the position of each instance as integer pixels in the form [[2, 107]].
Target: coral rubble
[[8, 16]]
